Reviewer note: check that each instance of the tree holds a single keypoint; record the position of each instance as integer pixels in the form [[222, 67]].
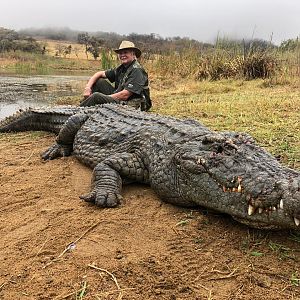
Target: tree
[[67, 50], [11, 40], [83, 38], [91, 43], [94, 47], [8, 34], [290, 44]]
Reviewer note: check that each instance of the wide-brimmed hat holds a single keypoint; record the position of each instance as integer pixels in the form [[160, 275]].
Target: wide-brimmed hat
[[129, 45]]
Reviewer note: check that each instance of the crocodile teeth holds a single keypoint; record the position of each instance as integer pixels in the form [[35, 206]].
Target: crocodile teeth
[[251, 210], [239, 189], [297, 221], [260, 210], [281, 204]]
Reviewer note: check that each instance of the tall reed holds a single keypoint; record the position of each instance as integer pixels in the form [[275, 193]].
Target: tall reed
[[226, 61]]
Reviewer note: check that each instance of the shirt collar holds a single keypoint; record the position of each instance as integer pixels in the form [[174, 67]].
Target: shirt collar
[[125, 67]]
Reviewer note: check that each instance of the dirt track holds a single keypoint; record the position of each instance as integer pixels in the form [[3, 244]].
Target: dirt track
[[144, 249]]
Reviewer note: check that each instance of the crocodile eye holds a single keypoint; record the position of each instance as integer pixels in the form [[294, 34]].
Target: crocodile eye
[[177, 159]]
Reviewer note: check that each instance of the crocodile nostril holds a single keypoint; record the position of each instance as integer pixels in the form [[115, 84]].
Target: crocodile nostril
[[219, 149]]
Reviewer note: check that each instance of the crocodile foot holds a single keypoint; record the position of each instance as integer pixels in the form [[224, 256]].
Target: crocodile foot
[[56, 150], [102, 198]]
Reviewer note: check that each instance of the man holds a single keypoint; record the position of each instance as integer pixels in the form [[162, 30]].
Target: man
[[131, 81]]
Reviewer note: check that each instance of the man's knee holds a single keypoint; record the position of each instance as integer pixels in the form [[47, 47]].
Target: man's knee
[[92, 100], [97, 98], [102, 86]]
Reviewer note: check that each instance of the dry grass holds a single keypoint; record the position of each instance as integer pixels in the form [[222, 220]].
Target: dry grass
[[270, 114], [76, 53]]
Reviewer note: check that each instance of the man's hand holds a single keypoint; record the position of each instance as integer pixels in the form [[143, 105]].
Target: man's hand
[[88, 89], [87, 92]]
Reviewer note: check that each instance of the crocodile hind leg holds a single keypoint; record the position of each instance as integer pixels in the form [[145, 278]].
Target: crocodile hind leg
[[107, 178], [65, 138]]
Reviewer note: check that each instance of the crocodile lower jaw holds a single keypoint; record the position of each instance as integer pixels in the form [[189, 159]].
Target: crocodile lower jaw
[[252, 210]]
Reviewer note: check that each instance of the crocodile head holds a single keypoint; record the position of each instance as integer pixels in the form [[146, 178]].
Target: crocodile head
[[227, 172]]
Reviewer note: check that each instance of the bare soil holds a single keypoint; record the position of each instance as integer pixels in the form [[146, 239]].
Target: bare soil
[[55, 246]]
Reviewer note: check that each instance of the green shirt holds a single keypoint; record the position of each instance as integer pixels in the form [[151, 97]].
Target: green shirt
[[132, 78]]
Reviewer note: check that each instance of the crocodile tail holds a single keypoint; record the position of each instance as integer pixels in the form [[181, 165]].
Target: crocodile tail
[[40, 119]]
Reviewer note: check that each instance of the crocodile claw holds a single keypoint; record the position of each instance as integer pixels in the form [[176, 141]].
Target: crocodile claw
[[56, 150], [90, 197], [102, 199]]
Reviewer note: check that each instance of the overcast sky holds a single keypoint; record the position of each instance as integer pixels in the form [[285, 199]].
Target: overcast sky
[[202, 20]]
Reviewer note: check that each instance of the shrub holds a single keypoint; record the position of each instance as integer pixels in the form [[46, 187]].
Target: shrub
[[260, 65]]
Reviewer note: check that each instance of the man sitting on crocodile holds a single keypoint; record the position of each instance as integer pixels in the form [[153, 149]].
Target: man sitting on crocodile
[[130, 79]]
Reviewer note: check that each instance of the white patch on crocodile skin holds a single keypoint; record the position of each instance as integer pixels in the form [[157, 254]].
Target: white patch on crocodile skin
[[130, 85]]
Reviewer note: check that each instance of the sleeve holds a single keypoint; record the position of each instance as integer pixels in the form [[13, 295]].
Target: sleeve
[[111, 75], [135, 81]]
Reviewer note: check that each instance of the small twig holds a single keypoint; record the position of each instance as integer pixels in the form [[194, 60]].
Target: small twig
[[2, 285], [203, 287], [72, 243], [288, 286], [41, 248], [107, 272], [47, 179], [237, 293], [70, 294], [231, 274], [86, 232], [113, 278], [219, 272], [26, 160], [175, 230]]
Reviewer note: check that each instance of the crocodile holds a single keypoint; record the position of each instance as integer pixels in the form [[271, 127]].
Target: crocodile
[[184, 162]]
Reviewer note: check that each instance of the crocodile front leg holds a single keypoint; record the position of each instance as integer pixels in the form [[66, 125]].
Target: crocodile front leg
[[57, 150], [65, 138], [106, 187], [107, 178]]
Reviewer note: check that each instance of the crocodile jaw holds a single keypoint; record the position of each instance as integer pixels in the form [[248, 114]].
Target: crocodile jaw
[[282, 212]]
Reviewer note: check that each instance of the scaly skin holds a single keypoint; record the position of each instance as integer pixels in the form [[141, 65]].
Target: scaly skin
[[184, 162]]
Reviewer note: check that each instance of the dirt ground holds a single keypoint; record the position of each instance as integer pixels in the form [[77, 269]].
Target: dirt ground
[[54, 246]]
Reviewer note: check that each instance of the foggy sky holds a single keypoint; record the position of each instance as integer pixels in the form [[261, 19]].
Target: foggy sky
[[202, 20]]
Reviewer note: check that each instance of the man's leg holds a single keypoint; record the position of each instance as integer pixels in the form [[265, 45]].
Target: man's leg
[[97, 98], [100, 91], [102, 86]]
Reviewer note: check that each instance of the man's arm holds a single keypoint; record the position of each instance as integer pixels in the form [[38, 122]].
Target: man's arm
[[133, 85], [88, 89], [122, 95]]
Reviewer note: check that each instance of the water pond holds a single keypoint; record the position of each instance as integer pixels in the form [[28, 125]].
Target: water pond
[[19, 92]]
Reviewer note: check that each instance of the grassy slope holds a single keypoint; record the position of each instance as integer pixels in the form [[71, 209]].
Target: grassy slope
[[270, 114]]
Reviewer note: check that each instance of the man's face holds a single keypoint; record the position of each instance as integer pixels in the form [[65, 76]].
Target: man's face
[[126, 56]]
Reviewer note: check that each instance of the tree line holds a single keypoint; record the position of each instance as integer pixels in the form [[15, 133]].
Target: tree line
[[95, 42], [11, 40]]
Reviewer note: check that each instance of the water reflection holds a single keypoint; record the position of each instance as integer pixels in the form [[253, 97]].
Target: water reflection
[[18, 92]]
